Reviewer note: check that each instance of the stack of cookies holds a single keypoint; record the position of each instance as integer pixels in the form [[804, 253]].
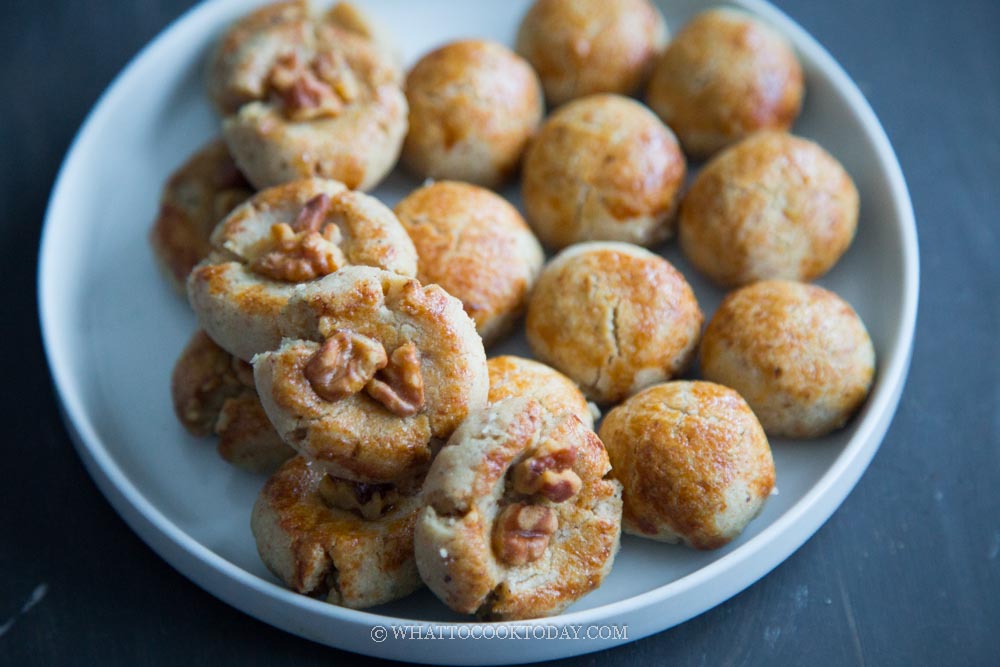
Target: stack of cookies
[[342, 344]]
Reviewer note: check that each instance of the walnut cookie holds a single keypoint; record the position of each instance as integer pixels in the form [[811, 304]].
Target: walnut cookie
[[308, 94], [283, 236], [799, 354], [195, 197], [350, 544], [474, 105], [613, 317], [376, 371], [520, 521], [475, 245], [602, 168], [693, 460], [213, 394], [724, 76], [773, 206]]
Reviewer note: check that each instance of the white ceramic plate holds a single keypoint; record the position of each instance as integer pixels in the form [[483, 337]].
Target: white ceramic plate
[[113, 329]]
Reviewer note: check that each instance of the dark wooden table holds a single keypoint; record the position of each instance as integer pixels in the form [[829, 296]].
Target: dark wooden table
[[906, 572]]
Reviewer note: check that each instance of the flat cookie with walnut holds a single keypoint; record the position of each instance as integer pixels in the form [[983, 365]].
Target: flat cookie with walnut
[[285, 236], [213, 394], [350, 544], [307, 94], [374, 373], [520, 521], [194, 199]]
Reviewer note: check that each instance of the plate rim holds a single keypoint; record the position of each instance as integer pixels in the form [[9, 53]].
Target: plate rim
[[758, 555]]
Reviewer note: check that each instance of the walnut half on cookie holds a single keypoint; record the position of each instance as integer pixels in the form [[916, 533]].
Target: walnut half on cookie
[[375, 372], [282, 237], [520, 521]]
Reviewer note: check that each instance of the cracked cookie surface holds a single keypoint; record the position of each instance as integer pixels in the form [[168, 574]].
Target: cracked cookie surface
[[474, 105], [613, 317], [602, 168], [591, 46], [798, 353], [724, 76], [512, 376], [773, 206], [520, 521], [693, 460], [475, 245]]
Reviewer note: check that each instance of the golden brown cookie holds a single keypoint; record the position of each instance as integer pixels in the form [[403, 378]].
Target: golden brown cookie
[[476, 246], [312, 533], [520, 521], [515, 376], [693, 460], [771, 206], [213, 394], [798, 354], [307, 94], [196, 197], [613, 317], [724, 76], [285, 236], [376, 371], [474, 105], [582, 47], [602, 168]]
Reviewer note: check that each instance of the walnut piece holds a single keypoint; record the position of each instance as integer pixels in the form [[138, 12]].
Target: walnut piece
[[400, 386], [313, 214], [344, 364], [521, 532], [304, 250], [369, 501], [314, 89], [547, 472]]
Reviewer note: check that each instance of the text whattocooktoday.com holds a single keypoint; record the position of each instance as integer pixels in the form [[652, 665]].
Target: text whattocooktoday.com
[[381, 633]]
